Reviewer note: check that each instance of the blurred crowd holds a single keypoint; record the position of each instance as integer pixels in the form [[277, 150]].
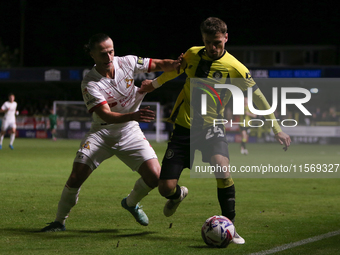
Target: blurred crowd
[[42, 108], [321, 116], [327, 115], [34, 109], [8, 58]]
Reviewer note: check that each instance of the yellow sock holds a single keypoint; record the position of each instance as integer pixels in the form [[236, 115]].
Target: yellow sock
[[224, 183]]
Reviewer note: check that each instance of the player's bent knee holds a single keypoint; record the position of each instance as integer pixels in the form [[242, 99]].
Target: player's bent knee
[[83, 159], [150, 171], [151, 181], [166, 187]]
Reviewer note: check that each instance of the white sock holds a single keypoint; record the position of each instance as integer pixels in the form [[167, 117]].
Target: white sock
[[11, 138], [69, 198], [140, 190], [1, 139]]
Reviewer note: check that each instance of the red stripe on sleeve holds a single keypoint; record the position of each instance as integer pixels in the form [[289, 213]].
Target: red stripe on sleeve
[[96, 106], [149, 68]]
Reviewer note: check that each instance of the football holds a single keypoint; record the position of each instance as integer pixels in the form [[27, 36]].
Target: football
[[218, 231]]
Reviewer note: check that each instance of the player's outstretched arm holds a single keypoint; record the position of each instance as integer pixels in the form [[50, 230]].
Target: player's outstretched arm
[[105, 113], [166, 65], [151, 85]]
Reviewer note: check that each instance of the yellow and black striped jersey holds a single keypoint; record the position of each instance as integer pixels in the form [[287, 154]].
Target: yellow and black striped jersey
[[225, 70]]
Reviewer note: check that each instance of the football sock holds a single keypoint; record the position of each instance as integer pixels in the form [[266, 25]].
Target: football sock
[[11, 138], [140, 190], [176, 193], [1, 139], [224, 182], [69, 198], [226, 198]]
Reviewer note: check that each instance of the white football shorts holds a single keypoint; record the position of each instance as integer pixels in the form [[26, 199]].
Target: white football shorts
[[6, 124], [128, 144]]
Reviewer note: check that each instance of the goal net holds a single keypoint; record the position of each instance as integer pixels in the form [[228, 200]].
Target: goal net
[[74, 120]]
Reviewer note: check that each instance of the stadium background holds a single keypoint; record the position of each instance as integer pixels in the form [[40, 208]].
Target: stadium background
[[42, 58], [272, 212]]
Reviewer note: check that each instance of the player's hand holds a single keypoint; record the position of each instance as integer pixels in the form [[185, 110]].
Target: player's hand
[[144, 115], [146, 87], [178, 63], [283, 139]]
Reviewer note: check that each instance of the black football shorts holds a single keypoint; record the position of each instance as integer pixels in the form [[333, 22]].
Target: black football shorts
[[183, 144]]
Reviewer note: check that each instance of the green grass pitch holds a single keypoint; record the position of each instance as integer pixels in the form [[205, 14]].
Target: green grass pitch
[[271, 212]]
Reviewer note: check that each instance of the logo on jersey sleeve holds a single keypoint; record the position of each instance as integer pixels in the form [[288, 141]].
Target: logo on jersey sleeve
[[248, 76], [85, 92], [140, 61], [89, 99]]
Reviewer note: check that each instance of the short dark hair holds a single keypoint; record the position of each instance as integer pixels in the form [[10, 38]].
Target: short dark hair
[[97, 38], [213, 25]]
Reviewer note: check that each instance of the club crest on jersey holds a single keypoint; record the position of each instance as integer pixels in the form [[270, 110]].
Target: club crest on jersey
[[140, 61], [86, 145], [169, 154], [217, 75], [128, 82]]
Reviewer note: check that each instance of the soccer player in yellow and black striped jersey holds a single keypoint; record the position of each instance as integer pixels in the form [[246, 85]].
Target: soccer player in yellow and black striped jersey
[[213, 62]]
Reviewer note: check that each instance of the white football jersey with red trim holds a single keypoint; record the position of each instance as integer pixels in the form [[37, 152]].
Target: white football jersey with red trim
[[120, 93], [11, 110]]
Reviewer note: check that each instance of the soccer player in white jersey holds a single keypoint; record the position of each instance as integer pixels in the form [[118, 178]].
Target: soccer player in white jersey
[[110, 94], [8, 121]]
